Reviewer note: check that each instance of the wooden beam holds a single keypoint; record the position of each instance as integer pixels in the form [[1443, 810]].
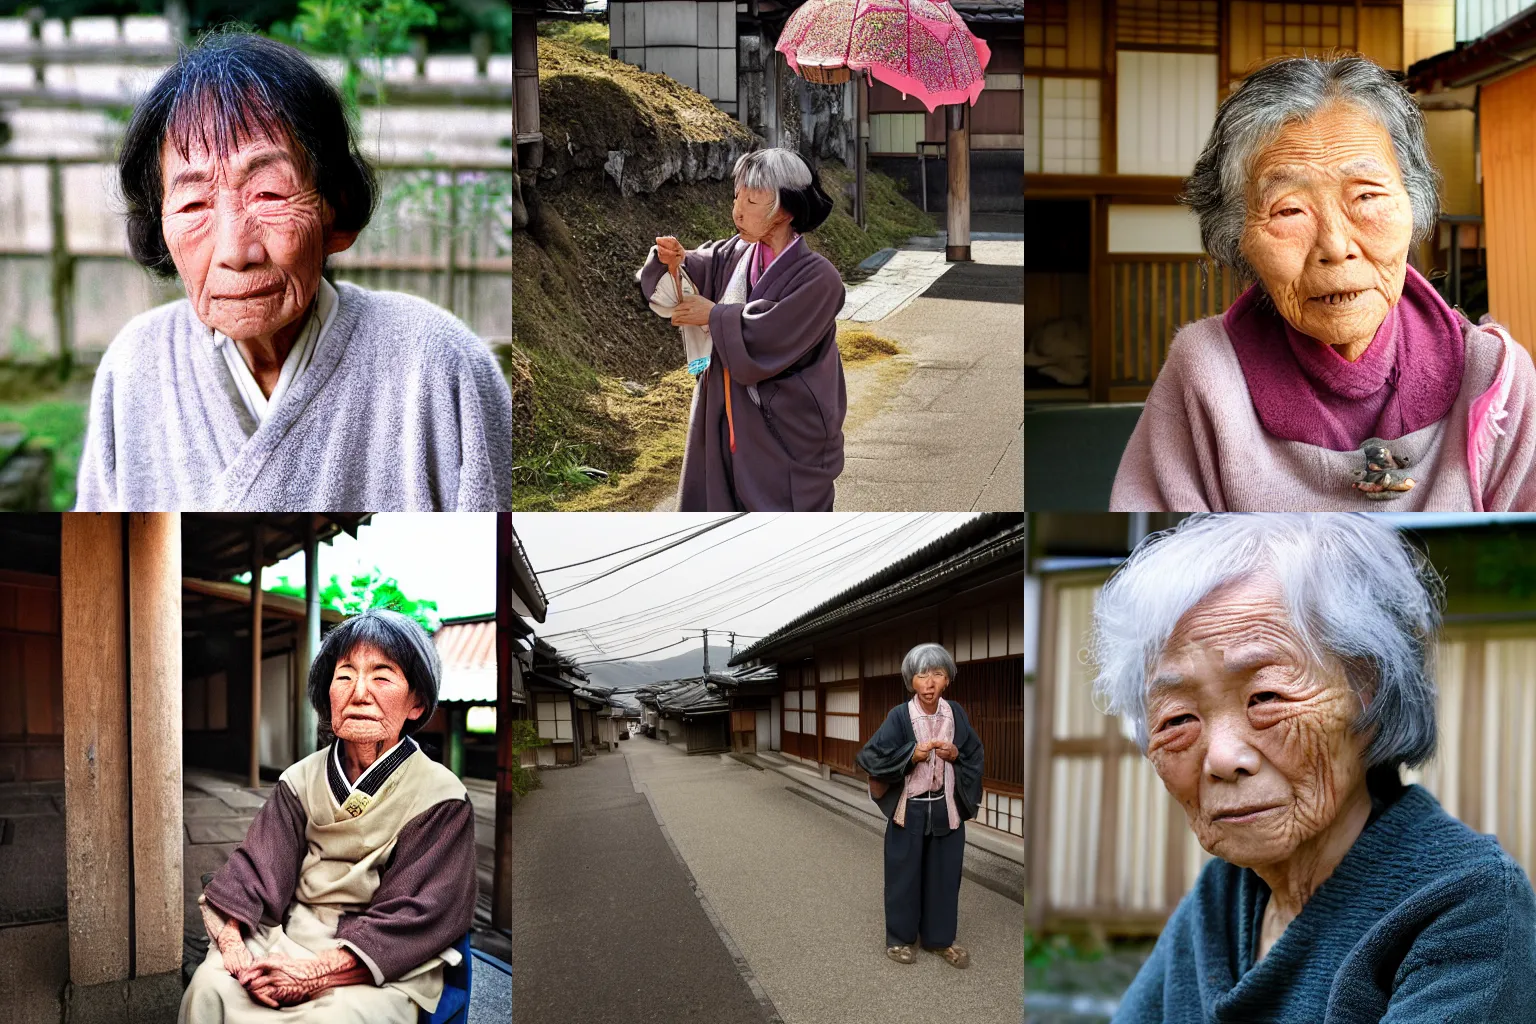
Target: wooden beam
[[957, 247], [258, 538], [501, 885], [1037, 850], [154, 658], [306, 718], [97, 839], [1474, 688]]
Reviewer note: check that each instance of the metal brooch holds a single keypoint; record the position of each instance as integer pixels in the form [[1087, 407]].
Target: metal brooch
[[1383, 478]]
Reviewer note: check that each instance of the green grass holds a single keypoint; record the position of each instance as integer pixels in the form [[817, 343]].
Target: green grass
[[589, 35], [60, 425]]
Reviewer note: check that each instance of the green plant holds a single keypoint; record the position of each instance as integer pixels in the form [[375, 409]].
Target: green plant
[[427, 196], [525, 736], [367, 590], [357, 31]]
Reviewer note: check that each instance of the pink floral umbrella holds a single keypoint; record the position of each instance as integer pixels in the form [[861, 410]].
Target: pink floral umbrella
[[919, 47]]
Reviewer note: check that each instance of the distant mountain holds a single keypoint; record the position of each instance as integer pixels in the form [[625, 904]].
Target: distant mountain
[[638, 673]]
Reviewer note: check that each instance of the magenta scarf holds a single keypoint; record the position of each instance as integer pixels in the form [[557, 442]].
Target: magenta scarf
[[1305, 391]]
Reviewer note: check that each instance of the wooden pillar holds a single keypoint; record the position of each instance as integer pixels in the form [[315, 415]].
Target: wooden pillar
[[307, 720], [861, 146], [501, 891], [257, 546], [97, 839], [957, 248], [154, 659]]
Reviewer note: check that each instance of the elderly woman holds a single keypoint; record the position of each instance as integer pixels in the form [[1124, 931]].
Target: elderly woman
[[269, 387], [357, 878], [924, 766], [1277, 670], [766, 430], [1340, 378]]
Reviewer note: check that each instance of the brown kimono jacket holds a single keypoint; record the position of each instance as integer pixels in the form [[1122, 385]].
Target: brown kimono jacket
[[788, 398], [385, 868]]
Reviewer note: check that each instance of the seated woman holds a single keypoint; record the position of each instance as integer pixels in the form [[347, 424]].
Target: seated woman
[[269, 388], [766, 431], [1277, 671], [357, 877], [1340, 378]]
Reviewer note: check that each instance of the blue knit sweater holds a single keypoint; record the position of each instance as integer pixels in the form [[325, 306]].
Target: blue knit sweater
[[1424, 921]]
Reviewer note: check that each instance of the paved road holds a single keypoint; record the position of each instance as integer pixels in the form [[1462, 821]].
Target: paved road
[[799, 889], [948, 434], [605, 927]]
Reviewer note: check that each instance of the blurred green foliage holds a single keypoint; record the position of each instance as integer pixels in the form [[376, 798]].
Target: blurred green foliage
[[368, 590]]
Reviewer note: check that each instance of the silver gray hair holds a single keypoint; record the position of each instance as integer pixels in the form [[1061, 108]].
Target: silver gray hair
[[1354, 590], [771, 170], [926, 658], [1284, 92]]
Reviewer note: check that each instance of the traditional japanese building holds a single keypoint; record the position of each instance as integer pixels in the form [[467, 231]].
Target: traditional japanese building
[[838, 666], [692, 713]]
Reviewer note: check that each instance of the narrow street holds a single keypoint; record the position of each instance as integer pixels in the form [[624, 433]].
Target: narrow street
[[604, 931], [946, 432]]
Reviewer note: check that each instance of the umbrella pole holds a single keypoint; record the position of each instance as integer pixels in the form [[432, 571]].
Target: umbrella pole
[[957, 248], [861, 102]]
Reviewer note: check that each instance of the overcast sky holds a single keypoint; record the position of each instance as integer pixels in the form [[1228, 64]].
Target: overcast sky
[[447, 557], [751, 575]]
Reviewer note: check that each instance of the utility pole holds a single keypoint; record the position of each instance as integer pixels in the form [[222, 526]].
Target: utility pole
[[733, 643], [706, 654]]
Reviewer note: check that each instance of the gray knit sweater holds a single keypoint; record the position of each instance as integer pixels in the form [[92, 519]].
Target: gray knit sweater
[[403, 409]]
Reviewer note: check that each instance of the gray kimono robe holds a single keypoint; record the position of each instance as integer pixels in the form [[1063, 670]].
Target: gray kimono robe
[[788, 398]]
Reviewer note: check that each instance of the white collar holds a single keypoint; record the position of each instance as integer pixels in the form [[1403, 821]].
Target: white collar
[[299, 358]]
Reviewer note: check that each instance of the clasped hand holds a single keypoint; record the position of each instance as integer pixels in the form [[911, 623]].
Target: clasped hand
[[940, 748], [277, 979]]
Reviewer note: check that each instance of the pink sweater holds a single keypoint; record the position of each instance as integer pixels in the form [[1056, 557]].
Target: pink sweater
[[1199, 445]]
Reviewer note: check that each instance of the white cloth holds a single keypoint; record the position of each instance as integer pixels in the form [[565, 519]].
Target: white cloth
[[696, 341], [310, 338]]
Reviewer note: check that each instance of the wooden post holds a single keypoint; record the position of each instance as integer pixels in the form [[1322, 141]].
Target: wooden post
[[308, 741], [257, 544], [957, 248], [63, 272], [454, 715], [501, 891], [154, 659], [861, 146], [97, 841]]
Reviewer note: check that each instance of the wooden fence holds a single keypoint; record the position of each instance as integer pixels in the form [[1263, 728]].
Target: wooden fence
[[1152, 296], [1110, 849], [451, 268]]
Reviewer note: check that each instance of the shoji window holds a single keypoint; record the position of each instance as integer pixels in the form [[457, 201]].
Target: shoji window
[[1061, 125], [791, 710], [1167, 22], [843, 714], [1166, 106], [1003, 812], [555, 719]]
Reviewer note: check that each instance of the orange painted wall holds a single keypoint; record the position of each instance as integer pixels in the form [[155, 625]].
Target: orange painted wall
[[1509, 202]]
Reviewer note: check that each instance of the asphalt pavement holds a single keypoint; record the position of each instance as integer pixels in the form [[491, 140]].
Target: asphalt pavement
[[949, 434], [799, 889], [606, 925]]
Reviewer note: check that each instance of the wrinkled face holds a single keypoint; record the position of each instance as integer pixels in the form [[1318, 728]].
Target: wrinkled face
[[248, 234], [1248, 733], [370, 698], [751, 214], [930, 685], [1329, 224]]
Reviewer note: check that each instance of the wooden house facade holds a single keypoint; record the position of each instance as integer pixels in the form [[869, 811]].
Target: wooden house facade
[[1118, 100], [1109, 848], [692, 713], [839, 665]]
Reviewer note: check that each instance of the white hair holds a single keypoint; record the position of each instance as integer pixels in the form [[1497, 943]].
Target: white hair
[[926, 658], [770, 170], [1353, 587]]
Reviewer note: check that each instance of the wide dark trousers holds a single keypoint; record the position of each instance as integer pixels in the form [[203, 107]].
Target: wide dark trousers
[[922, 879]]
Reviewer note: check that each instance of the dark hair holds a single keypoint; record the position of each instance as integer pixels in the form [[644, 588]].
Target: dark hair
[[808, 207], [233, 83], [401, 639]]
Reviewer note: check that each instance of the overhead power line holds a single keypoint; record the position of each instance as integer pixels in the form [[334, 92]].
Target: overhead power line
[[649, 554], [620, 551]]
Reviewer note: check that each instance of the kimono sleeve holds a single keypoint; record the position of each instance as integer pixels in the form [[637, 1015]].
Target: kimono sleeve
[[888, 754], [258, 880], [485, 432], [967, 766], [96, 484], [761, 339], [425, 901], [696, 263]]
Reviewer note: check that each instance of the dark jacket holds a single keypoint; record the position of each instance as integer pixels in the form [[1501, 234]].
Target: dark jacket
[[1424, 921], [888, 757]]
